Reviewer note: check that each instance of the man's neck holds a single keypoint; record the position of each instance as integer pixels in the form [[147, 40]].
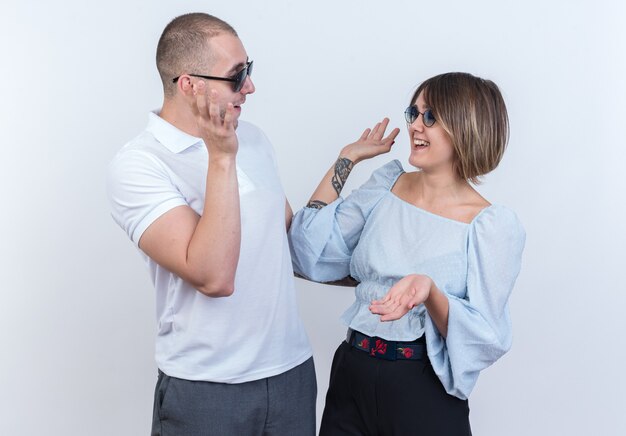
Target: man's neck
[[180, 116]]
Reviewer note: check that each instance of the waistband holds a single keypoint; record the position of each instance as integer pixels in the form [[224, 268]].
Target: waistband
[[388, 350]]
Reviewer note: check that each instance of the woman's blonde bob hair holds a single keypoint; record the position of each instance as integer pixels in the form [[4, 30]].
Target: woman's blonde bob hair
[[472, 111]]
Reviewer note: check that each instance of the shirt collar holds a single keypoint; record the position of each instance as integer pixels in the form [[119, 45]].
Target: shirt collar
[[174, 139]]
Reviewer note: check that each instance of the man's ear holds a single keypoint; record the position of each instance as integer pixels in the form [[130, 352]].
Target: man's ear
[[184, 85]]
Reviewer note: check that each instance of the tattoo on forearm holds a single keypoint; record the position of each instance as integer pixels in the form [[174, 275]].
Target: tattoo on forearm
[[343, 166], [316, 204]]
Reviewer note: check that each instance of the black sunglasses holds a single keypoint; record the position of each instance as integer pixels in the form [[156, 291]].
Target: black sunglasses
[[411, 113], [238, 78]]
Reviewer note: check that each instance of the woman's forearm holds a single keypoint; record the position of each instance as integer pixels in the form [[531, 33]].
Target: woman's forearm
[[332, 183], [370, 144]]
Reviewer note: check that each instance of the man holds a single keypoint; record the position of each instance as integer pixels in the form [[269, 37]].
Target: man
[[199, 193]]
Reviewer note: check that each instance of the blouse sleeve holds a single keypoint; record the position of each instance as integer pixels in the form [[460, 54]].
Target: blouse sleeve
[[479, 325], [322, 240]]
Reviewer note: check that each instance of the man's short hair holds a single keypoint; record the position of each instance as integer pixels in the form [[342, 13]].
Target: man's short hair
[[184, 46], [472, 111]]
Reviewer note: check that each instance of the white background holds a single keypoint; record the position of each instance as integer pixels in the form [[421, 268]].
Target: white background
[[78, 78]]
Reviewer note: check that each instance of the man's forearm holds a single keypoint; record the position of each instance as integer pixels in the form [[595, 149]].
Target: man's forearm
[[213, 251]]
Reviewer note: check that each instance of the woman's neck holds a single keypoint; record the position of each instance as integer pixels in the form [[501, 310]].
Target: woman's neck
[[438, 188]]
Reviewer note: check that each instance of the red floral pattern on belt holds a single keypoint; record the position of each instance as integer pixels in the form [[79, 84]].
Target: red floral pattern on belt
[[380, 347], [406, 352], [389, 350]]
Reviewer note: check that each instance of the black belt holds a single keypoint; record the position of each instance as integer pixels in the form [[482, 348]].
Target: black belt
[[388, 350]]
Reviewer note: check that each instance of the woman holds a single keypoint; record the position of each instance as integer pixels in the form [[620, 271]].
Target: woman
[[435, 262]]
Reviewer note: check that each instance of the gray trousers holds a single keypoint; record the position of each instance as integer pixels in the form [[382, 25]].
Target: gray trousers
[[283, 405]]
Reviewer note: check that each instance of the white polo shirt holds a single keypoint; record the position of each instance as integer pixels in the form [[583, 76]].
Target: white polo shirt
[[256, 332]]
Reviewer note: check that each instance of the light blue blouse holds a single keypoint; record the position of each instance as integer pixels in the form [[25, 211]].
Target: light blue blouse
[[378, 238]]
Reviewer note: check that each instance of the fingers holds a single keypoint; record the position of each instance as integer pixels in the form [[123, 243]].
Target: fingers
[[390, 312], [400, 299], [365, 134], [207, 103], [207, 107], [214, 107], [391, 137], [383, 308], [378, 131], [380, 128], [397, 314], [199, 91], [386, 299], [229, 116], [374, 131]]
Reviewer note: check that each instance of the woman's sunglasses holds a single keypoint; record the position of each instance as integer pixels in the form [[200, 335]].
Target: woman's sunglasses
[[238, 79], [411, 113]]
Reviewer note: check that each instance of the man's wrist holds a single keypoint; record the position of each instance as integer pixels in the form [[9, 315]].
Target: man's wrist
[[223, 160]]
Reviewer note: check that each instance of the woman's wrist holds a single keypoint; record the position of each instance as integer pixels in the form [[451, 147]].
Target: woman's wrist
[[438, 307], [432, 291], [347, 154]]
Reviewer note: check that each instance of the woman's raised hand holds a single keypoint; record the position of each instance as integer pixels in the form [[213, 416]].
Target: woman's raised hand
[[371, 143]]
